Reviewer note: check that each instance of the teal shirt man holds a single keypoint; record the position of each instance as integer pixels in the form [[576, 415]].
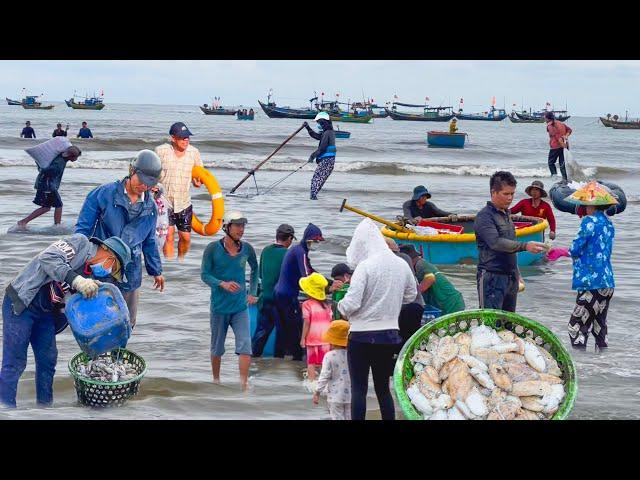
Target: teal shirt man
[[218, 266]]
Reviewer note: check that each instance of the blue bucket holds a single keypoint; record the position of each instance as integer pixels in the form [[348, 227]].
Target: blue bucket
[[99, 324]]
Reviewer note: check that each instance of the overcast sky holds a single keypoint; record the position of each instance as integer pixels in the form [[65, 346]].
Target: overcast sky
[[588, 87]]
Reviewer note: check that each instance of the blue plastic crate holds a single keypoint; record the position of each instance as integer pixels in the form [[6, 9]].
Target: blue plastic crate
[[430, 313], [99, 324]]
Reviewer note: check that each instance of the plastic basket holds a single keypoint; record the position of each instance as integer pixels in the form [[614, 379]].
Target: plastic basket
[[94, 393], [500, 320]]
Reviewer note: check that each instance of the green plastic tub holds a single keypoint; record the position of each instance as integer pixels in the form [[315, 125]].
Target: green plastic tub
[[500, 320]]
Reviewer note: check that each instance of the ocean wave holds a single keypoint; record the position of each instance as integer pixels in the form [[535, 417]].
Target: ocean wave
[[289, 163]]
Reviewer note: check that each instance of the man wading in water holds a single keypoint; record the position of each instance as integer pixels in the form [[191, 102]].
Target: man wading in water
[[223, 268], [178, 159]]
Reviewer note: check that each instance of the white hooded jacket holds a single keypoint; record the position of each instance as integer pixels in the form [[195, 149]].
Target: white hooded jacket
[[380, 285]]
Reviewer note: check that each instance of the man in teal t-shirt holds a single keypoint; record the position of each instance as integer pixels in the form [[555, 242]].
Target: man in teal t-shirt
[[436, 288], [269, 316], [223, 269]]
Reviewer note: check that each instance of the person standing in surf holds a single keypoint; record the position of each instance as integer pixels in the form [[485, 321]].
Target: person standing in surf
[[558, 135], [325, 155]]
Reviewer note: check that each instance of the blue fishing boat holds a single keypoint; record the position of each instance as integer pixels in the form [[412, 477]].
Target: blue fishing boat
[[342, 134], [446, 139], [453, 248], [89, 103], [248, 116], [30, 102], [429, 114], [12, 102], [493, 115]]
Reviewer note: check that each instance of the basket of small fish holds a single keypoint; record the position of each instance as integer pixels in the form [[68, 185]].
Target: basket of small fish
[[485, 365], [109, 380]]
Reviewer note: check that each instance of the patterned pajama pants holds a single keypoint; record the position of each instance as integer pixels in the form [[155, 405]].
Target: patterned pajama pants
[[590, 315], [323, 170], [339, 411]]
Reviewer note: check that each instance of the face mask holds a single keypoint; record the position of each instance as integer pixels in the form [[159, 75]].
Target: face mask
[[99, 271], [313, 246], [320, 129]]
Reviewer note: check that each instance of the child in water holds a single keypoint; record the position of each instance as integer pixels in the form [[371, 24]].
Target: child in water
[[162, 224], [316, 314], [334, 378], [341, 274]]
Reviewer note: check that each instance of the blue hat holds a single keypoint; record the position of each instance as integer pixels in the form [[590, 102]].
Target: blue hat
[[120, 249], [180, 130], [419, 191]]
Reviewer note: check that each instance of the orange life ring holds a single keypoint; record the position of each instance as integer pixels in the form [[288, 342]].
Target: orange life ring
[[217, 203]]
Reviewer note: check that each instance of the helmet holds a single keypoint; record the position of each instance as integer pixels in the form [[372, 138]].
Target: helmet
[[322, 116], [148, 167], [234, 217]]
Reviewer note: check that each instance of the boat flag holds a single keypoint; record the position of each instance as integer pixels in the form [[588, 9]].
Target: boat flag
[[493, 101]]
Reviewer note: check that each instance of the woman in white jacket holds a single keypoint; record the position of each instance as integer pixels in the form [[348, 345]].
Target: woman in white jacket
[[380, 285]]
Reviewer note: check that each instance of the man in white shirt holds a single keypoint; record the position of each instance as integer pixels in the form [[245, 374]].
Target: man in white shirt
[[178, 159]]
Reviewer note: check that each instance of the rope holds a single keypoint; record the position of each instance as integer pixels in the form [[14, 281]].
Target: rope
[[278, 182]]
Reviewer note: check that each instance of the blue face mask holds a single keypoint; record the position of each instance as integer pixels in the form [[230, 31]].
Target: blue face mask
[[99, 271], [320, 129]]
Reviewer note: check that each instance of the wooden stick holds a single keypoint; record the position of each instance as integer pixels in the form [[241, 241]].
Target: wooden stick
[[374, 217]]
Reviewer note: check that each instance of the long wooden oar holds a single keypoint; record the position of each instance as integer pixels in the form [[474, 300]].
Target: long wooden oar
[[251, 172], [388, 223]]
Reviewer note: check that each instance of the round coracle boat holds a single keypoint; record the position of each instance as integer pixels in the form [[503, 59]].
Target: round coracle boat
[[441, 241]]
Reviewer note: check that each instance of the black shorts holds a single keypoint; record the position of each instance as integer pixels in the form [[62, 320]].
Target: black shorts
[[181, 220], [48, 199]]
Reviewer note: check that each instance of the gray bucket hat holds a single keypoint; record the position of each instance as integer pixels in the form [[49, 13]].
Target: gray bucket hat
[[536, 184], [419, 191]]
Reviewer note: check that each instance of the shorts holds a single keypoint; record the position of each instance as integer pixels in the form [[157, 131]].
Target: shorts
[[181, 220], [239, 323], [316, 353], [48, 199]]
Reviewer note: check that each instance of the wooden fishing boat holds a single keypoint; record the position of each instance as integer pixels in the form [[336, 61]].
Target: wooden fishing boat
[[626, 125], [607, 122], [12, 102], [349, 117], [452, 248], [446, 139], [89, 103], [30, 102], [217, 111], [248, 116], [515, 119], [272, 111], [342, 134], [429, 114], [493, 115], [560, 115]]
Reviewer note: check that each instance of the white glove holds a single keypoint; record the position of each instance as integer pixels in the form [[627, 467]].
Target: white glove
[[87, 287]]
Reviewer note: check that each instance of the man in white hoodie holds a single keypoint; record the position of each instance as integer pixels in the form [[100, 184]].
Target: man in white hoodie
[[380, 285]]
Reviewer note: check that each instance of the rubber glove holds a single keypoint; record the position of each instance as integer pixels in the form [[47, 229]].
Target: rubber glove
[[312, 157], [557, 252], [87, 287]]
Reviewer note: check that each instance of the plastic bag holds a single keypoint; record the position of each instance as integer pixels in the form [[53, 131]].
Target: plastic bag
[[45, 152]]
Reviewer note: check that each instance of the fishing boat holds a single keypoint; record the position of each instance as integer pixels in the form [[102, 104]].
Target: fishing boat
[[446, 139], [12, 102], [607, 122], [89, 103], [342, 134], [217, 110], [493, 115], [30, 102], [352, 118], [273, 111], [452, 248], [515, 119], [627, 124], [429, 114], [378, 112], [560, 115]]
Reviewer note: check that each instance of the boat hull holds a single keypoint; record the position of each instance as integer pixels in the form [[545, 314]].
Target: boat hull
[[484, 118], [82, 106], [342, 134], [217, 111], [37, 107], [245, 117], [418, 118], [446, 140], [351, 119], [12, 102], [280, 112], [448, 249], [515, 119], [626, 125]]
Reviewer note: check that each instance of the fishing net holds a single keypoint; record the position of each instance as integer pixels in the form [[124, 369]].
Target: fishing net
[[94, 393], [499, 320]]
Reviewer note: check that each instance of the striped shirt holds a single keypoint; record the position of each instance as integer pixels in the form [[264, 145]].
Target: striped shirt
[[176, 175]]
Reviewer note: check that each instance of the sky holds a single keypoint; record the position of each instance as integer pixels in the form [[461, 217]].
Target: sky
[[588, 88]]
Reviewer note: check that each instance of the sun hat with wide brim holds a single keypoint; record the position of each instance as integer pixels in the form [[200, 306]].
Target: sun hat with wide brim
[[536, 184], [337, 333], [593, 194], [419, 191], [314, 286]]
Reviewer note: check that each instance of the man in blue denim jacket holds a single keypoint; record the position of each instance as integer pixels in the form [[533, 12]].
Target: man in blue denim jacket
[[125, 209]]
